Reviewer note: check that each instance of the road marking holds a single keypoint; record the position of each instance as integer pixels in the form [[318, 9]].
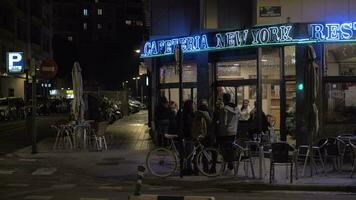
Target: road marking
[[7, 172], [27, 160], [110, 188], [93, 198], [44, 171], [17, 185], [61, 186], [37, 197], [64, 186]]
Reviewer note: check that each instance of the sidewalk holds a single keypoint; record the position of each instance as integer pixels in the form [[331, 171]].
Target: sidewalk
[[129, 143]]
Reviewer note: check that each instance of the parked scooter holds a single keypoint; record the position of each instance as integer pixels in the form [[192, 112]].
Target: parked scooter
[[114, 113]]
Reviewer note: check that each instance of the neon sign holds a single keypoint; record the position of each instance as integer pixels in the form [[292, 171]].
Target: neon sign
[[285, 34], [216, 41], [332, 31]]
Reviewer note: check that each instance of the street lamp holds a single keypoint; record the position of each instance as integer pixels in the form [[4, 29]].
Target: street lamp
[[136, 88]]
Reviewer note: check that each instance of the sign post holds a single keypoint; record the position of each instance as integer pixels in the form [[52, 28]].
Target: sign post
[[15, 63], [178, 55]]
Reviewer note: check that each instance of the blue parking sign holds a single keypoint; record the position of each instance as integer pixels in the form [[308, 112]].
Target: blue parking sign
[[15, 62]]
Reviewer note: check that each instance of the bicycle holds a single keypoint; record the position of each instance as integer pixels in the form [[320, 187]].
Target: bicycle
[[163, 162]]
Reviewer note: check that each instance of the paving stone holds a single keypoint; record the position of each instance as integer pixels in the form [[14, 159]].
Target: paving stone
[[44, 171]]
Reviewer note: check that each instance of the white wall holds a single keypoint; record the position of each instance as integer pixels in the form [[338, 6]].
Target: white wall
[[304, 11], [10, 82]]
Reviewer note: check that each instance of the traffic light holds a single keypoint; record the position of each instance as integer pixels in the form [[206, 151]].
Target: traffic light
[[300, 86]]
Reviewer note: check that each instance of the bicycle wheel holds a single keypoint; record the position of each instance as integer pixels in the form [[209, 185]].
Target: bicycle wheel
[[210, 162], [161, 162]]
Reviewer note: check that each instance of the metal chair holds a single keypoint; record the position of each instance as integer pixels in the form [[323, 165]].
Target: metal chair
[[353, 146], [344, 147], [280, 156], [99, 137], [305, 152], [243, 150]]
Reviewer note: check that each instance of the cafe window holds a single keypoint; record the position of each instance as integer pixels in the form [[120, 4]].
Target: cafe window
[[340, 59], [236, 70], [169, 73], [270, 67]]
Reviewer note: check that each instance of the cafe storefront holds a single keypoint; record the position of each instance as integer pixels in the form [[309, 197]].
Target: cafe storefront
[[266, 65]]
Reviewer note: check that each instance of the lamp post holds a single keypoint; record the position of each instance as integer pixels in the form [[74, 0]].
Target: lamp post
[[136, 86]]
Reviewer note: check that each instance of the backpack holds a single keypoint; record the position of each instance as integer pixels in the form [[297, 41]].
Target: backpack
[[199, 127]]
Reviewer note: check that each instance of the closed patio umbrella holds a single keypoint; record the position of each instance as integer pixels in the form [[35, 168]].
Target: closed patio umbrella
[[78, 102], [311, 94]]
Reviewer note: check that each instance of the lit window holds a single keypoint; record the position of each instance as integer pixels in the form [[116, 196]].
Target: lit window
[[139, 23], [85, 12], [70, 38], [100, 11], [128, 22], [100, 26], [85, 26]]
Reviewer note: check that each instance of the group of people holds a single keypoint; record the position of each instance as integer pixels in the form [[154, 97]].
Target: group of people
[[218, 128]]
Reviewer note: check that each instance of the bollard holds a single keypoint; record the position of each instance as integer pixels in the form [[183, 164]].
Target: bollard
[[140, 171]]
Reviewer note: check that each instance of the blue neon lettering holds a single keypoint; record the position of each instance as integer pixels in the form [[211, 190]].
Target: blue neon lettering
[[204, 42], [190, 43], [333, 33], [196, 42], [264, 36], [154, 48], [254, 36], [317, 31], [242, 37], [274, 33], [168, 47], [346, 31], [183, 42], [174, 43], [285, 33], [230, 39], [220, 42], [147, 49]]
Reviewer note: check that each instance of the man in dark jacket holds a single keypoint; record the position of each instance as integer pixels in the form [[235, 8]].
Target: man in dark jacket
[[162, 120]]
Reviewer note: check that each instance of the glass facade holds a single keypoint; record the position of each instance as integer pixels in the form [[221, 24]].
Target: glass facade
[[340, 60], [169, 73], [236, 70]]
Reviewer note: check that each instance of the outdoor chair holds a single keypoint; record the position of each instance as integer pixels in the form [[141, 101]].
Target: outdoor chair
[[244, 154], [99, 136], [332, 152], [304, 153], [280, 156], [63, 137], [353, 146], [344, 147]]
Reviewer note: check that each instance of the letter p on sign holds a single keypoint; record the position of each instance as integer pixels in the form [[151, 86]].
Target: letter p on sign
[[15, 62]]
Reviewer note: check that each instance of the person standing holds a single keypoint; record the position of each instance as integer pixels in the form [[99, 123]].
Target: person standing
[[185, 119], [227, 129], [162, 120], [244, 123]]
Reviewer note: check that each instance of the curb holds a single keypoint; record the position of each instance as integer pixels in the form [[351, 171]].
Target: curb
[[158, 197]]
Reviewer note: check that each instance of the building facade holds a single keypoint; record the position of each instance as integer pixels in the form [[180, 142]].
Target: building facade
[[94, 32], [26, 26], [261, 54]]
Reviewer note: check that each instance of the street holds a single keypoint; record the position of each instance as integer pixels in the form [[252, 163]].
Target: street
[[13, 133], [112, 174]]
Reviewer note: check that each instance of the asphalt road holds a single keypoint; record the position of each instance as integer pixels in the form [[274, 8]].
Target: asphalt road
[[13, 134], [39, 179]]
